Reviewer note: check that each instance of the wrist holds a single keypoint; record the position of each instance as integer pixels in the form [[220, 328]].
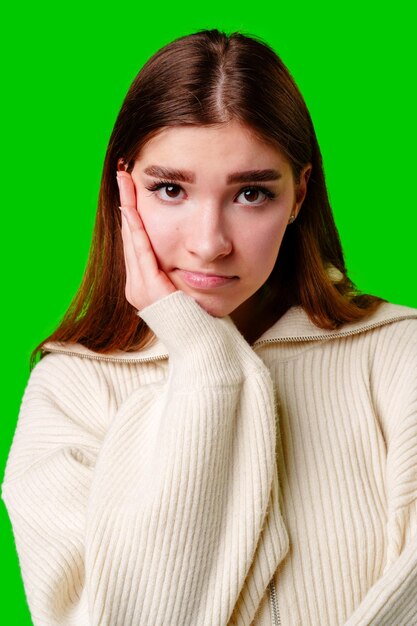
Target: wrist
[[199, 344]]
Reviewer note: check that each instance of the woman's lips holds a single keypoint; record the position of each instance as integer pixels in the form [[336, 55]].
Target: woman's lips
[[200, 280]]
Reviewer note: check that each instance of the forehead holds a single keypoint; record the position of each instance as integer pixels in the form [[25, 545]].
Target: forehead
[[227, 146]]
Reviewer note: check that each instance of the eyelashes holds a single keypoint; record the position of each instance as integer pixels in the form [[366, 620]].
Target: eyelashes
[[269, 195], [164, 184]]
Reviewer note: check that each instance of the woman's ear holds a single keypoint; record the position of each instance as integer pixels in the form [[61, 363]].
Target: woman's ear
[[122, 165], [301, 188]]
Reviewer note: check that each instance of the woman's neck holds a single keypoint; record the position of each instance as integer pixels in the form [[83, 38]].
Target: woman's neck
[[254, 316]]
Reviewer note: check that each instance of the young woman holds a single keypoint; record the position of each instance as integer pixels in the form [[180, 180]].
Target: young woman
[[222, 431]]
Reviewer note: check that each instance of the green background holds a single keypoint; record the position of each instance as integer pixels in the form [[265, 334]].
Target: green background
[[67, 69]]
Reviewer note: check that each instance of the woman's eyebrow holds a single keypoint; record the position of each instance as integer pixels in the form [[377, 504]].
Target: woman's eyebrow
[[186, 176], [158, 171], [254, 175]]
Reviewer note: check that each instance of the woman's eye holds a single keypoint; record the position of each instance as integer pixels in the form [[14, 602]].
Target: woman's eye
[[256, 195], [170, 191]]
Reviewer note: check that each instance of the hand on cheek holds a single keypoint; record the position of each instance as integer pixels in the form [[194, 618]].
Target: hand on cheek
[[145, 281]]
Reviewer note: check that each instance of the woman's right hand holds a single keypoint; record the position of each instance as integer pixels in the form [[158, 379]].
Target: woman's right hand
[[145, 281]]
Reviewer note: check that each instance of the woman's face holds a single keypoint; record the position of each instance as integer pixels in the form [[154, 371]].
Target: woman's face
[[215, 202]]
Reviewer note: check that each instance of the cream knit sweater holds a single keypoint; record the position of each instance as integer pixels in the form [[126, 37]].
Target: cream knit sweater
[[144, 491]]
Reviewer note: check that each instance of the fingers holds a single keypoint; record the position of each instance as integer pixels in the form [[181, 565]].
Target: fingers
[[125, 193], [126, 189], [139, 249], [145, 282]]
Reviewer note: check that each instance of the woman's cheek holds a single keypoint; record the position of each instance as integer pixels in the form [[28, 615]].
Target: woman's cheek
[[263, 239], [163, 238]]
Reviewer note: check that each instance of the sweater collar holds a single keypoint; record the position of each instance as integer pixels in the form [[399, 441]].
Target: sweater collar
[[293, 326], [296, 326]]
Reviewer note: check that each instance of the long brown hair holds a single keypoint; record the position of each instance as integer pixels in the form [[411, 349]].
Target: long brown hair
[[205, 78]]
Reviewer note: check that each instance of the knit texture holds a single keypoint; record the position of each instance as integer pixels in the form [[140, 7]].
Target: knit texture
[[149, 491]]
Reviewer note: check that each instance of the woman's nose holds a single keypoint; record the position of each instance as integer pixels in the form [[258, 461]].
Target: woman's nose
[[207, 236]]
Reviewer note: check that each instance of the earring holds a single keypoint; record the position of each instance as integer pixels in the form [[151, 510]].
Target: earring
[[291, 220]]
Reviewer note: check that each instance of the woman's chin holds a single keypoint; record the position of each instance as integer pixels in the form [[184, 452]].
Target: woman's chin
[[214, 305]]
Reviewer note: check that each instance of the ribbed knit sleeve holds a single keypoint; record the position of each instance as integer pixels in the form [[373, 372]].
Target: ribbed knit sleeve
[[153, 516], [393, 599], [47, 483]]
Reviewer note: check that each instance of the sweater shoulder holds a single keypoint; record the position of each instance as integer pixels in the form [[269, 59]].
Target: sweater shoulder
[[67, 385], [391, 310], [388, 318], [55, 371], [82, 382], [397, 322]]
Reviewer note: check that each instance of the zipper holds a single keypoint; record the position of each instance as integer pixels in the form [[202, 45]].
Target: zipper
[[276, 619], [160, 357], [113, 359], [334, 334]]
